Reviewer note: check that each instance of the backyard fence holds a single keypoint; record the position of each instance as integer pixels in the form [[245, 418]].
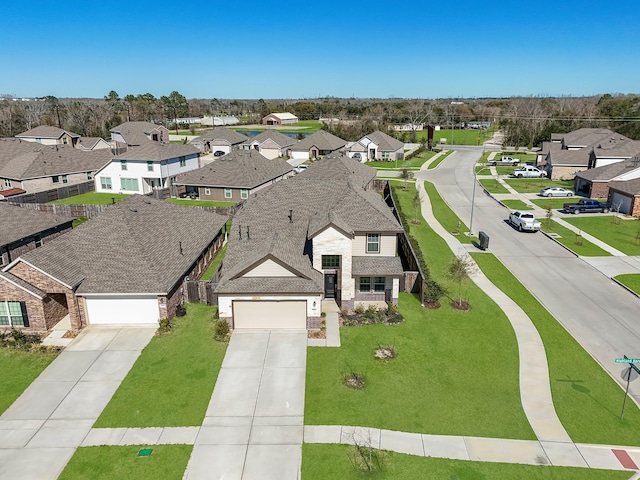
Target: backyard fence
[[54, 194]]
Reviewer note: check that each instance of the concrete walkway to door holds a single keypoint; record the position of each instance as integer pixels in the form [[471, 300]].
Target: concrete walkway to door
[[253, 427]]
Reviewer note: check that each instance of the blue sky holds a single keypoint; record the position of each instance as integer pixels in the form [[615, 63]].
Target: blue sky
[[298, 49]]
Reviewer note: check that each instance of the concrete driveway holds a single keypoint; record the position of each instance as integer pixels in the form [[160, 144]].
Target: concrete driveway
[[41, 430], [253, 427]]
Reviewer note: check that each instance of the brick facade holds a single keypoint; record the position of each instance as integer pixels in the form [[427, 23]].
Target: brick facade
[[35, 306], [599, 190]]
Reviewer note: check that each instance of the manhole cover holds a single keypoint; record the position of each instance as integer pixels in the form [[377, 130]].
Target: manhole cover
[[554, 235]]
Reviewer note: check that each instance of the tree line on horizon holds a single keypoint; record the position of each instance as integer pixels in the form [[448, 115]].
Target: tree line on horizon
[[525, 121]]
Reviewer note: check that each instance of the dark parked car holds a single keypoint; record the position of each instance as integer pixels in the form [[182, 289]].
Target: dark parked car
[[218, 153]]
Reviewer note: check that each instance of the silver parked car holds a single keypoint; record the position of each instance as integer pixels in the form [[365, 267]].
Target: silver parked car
[[556, 192]]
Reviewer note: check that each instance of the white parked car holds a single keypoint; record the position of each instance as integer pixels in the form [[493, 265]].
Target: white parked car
[[300, 168], [524, 221], [528, 171], [556, 192]]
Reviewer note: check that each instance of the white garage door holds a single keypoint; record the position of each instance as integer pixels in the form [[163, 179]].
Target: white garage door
[[270, 314], [122, 310], [624, 201]]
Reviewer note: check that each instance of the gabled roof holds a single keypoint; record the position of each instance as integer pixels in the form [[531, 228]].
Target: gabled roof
[[283, 116], [385, 143], [606, 173], [89, 142], [21, 160], [46, 131], [280, 138], [631, 187], [222, 133], [129, 248], [617, 148], [337, 167], [376, 265], [136, 133], [584, 137], [20, 283], [238, 169], [156, 151], [19, 222], [569, 157], [322, 140]]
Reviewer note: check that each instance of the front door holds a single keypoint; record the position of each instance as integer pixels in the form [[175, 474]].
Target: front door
[[330, 285]]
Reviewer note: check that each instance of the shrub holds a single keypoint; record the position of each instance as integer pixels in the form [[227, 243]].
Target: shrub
[[164, 326], [221, 331], [354, 380], [181, 310], [433, 291], [359, 309]]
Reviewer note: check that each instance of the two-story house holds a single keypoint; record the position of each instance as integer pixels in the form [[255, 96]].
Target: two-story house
[[134, 134], [320, 235], [146, 168], [49, 135]]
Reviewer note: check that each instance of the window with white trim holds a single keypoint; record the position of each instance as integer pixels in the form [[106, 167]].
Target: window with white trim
[[373, 243], [365, 284], [105, 183], [183, 161], [149, 166], [123, 164], [227, 193], [130, 184], [64, 179], [7, 182], [244, 194], [207, 191], [13, 314]]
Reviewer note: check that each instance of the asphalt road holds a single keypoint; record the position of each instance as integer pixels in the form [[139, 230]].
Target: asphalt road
[[600, 314]]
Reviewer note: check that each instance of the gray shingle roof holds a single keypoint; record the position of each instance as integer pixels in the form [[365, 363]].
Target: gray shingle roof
[[617, 148], [139, 245], [22, 284], [585, 137], [609, 172], [631, 187], [322, 140], [279, 138], [156, 151], [338, 167], [222, 133], [376, 265], [579, 158], [46, 131], [315, 201], [18, 223], [238, 169], [24, 160], [385, 143], [136, 133]]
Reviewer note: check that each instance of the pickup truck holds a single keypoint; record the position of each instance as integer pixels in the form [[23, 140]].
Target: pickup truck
[[528, 171], [586, 205], [524, 221], [505, 161]]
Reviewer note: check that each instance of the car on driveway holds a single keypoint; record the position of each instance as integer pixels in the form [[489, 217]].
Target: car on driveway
[[300, 168], [556, 192], [524, 221], [218, 153], [505, 161], [528, 171]]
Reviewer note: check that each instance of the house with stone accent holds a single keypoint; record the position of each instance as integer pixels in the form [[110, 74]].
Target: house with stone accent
[[34, 167], [49, 135], [271, 144], [134, 134], [24, 229], [124, 266], [220, 139], [316, 146], [376, 146], [233, 177], [321, 235]]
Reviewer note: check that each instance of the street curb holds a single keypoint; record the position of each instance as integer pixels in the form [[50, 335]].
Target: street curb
[[563, 246], [625, 287]]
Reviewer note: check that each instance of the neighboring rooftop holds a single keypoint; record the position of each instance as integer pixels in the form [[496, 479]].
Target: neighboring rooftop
[[238, 169], [156, 151], [607, 173], [222, 133], [136, 133], [385, 143], [46, 131], [322, 140], [584, 137], [280, 139], [18, 223]]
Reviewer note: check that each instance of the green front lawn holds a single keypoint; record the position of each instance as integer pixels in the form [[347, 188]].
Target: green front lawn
[[322, 461], [165, 462], [492, 185], [439, 160], [208, 273], [504, 170], [631, 281], [412, 164], [556, 203], [623, 235], [453, 371], [460, 137], [445, 216], [92, 198], [20, 369], [199, 203], [534, 185], [170, 384], [572, 241], [587, 400], [517, 205]]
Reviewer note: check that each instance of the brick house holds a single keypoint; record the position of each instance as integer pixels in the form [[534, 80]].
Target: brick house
[[125, 266]]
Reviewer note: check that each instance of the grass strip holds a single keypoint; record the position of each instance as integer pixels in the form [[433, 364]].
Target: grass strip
[[534, 185], [208, 273], [439, 160], [517, 205], [621, 234], [631, 281], [170, 384], [108, 462], [492, 185], [445, 216], [572, 240], [587, 400], [321, 461]]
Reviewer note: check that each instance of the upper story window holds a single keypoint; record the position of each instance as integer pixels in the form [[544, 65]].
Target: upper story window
[[65, 140], [7, 182], [123, 164], [373, 243], [56, 179], [227, 193], [149, 166], [330, 261], [64, 179], [244, 193], [183, 161]]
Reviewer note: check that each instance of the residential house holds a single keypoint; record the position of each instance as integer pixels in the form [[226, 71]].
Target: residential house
[[34, 167], [25, 229], [92, 143], [595, 182], [219, 139], [49, 135], [570, 153], [146, 168], [125, 266], [311, 238], [233, 177], [317, 145], [284, 118], [134, 134], [270, 143], [625, 196], [377, 146]]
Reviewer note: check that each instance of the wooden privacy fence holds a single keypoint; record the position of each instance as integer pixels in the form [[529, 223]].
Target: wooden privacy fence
[[55, 193], [197, 291], [75, 211]]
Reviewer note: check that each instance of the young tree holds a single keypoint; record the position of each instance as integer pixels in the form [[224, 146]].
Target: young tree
[[460, 269]]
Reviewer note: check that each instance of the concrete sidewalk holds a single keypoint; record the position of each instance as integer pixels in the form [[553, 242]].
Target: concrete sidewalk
[[253, 427], [40, 431]]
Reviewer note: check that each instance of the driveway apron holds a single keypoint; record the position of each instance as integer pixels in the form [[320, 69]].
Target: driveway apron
[[40, 431], [253, 427]]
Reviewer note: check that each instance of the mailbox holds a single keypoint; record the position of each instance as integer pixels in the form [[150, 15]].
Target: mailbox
[[484, 240]]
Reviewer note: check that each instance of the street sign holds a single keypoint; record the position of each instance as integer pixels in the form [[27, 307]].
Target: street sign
[[627, 360], [629, 374]]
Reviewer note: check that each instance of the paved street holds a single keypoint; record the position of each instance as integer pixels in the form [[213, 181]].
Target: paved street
[[600, 314]]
